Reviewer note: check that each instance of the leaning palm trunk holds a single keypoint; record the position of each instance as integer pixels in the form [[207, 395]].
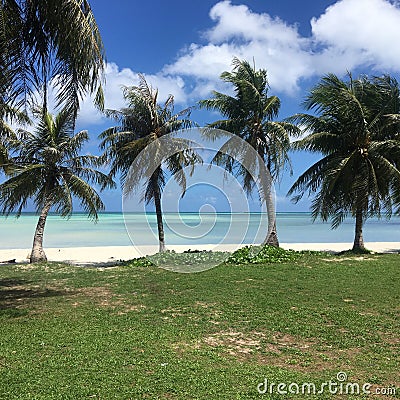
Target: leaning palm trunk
[[160, 225], [38, 253], [271, 238], [358, 239]]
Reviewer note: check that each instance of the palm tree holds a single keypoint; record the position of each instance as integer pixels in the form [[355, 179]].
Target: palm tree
[[48, 42], [356, 131], [250, 115], [47, 167], [387, 93], [142, 123]]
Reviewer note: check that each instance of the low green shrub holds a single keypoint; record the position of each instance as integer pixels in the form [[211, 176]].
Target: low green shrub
[[262, 254]]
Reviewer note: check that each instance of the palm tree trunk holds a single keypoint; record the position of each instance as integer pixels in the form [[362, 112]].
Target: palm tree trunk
[[272, 237], [38, 254], [160, 225], [358, 239]]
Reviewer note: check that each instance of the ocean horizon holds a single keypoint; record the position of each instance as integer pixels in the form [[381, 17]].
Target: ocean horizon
[[185, 228]]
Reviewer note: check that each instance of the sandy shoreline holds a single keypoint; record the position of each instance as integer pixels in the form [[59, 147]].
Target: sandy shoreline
[[109, 254]]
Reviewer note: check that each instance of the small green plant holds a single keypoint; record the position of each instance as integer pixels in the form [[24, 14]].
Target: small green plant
[[187, 258], [140, 262], [262, 254]]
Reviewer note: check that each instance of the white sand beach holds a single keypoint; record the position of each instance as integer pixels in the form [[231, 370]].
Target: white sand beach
[[110, 254]]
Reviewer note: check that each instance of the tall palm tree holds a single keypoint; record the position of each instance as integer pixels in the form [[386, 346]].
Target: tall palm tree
[[47, 167], [142, 123], [356, 131], [49, 42], [250, 114]]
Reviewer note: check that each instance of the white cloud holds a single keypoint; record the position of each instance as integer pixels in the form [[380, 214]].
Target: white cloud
[[359, 33], [239, 21], [239, 32], [349, 35], [116, 79]]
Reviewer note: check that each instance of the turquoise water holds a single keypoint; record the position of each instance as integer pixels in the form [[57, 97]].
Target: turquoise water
[[110, 230]]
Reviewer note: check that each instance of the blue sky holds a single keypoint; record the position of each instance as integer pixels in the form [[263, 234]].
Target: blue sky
[[182, 47]]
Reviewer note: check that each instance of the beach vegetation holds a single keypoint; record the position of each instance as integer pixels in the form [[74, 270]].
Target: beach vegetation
[[356, 130], [47, 167], [261, 254], [250, 113], [46, 47], [192, 260], [142, 123]]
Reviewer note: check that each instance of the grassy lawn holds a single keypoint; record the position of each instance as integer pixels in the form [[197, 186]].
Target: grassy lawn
[[146, 333]]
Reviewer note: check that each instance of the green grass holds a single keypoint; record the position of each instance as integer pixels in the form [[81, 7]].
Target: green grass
[[134, 332]]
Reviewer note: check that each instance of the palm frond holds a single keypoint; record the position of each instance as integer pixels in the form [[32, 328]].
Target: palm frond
[[249, 114], [47, 166], [90, 200], [49, 43]]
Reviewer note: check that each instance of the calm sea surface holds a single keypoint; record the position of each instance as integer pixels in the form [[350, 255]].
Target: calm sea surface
[[186, 228]]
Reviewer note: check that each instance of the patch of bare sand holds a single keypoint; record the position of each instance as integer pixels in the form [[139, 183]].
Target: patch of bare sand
[[279, 350], [341, 259]]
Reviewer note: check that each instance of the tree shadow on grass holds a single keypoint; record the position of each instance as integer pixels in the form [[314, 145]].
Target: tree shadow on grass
[[13, 282], [17, 294]]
